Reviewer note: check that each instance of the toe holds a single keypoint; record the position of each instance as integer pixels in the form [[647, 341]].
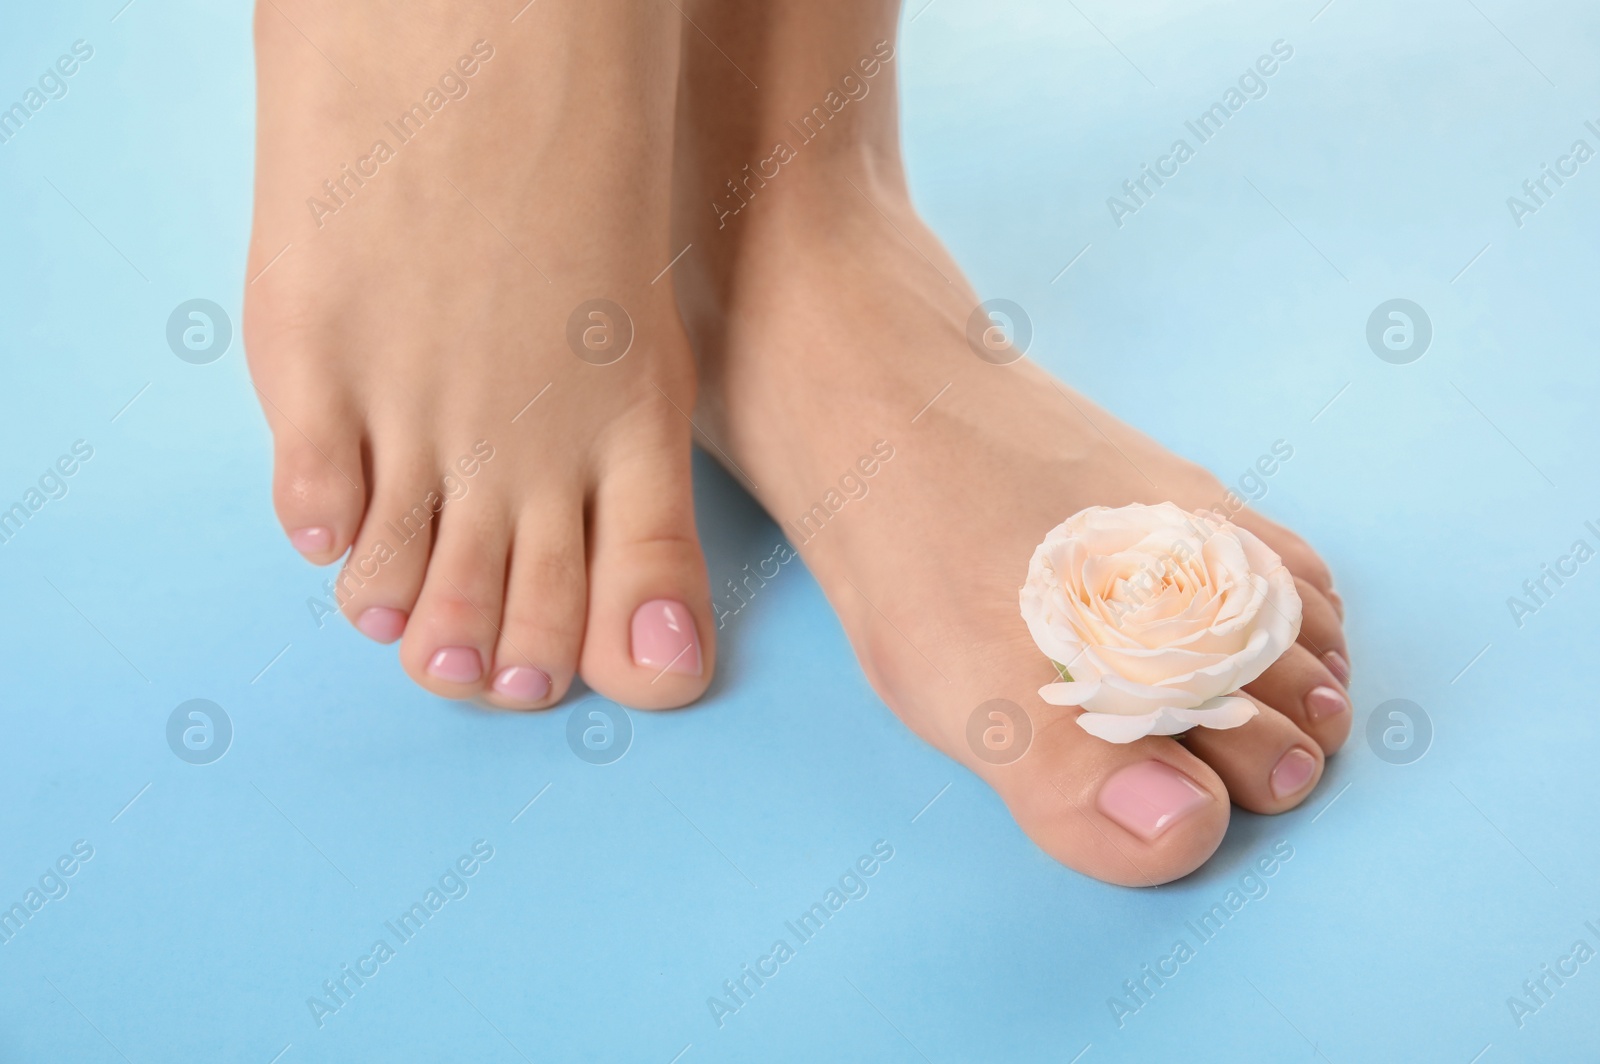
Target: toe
[[1322, 630], [381, 579], [537, 652], [451, 635], [1302, 687], [1298, 555], [1268, 764], [317, 483], [1138, 814], [648, 638], [318, 486], [1338, 604]]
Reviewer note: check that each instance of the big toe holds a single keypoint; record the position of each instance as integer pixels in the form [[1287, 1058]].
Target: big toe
[[1136, 814]]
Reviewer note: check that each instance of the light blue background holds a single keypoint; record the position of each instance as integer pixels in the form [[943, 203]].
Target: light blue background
[[1220, 318]]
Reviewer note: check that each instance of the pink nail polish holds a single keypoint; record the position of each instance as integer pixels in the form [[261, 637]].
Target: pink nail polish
[[381, 623], [311, 540], [456, 665], [664, 638], [1338, 666], [1149, 797], [522, 683], [1325, 702], [1292, 772]]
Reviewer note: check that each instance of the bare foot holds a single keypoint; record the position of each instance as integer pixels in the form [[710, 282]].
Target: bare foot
[[836, 370], [508, 472]]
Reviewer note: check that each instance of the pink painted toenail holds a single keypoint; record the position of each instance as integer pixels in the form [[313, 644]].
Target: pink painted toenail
[[1149, 797], [456, 665], [520, 683], [1325, 702], [311, 540], [1338, 666], [1292, 772], [381, 623], [664, 638]]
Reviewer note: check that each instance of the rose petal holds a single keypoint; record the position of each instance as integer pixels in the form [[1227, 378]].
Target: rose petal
[[1115, 694], [1161, 616], [1219, 713], [1068, 693], [1118, 729]]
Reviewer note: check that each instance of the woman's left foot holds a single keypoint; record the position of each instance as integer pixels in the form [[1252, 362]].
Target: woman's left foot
[[916, 477]]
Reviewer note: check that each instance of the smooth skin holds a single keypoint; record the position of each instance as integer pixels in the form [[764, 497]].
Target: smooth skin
[[423, 324], [827, 316], [517, 515]]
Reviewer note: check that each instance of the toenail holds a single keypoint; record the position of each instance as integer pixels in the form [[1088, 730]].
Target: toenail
[[1338, 603], [521, 683], [311, 540], [381, 623], [1338, 666], [1149, 797], [456, 665], [1325, 702], [664, 637], [1292, 772]]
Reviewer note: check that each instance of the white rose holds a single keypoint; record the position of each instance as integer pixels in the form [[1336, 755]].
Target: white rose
[[1159, 616]]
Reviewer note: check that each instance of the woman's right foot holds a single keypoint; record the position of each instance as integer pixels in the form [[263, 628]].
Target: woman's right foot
[[916, 477], [451, 403]]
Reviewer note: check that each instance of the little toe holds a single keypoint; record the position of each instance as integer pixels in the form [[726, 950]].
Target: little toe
[[317, 483], [537, 652]]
